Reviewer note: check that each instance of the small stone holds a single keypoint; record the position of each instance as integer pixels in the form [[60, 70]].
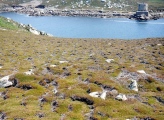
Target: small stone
[[29, 72], [141, 71], [159, 44], [52, 65], [23, 103], [40, 115], [109, 60], [121, 97], [133, 85], [42, 100], [63, 62], [113, 92], [70, 108], [1, 66]]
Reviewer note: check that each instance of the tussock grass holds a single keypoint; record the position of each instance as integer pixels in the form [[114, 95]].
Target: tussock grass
[[21, 51]]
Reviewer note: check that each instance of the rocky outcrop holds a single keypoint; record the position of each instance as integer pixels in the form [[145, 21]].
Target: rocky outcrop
[[4, 82], [152, 16], [33, 30], [2, 116], [160, 99], [121, 97], [133, 85]]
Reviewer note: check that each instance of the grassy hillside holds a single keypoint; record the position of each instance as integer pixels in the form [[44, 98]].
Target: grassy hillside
[[120, 5], [85, 70], [7, 23]]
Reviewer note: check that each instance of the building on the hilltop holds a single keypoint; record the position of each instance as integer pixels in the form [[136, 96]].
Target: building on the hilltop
[[142, 9], [142, 12]]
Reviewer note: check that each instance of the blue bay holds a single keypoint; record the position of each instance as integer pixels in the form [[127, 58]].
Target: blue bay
[[86, 27]]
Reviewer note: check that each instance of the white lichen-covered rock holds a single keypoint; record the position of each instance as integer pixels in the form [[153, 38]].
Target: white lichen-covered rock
[[30, 72], [8, 19], [49, 35], [63, 61], [52, 65], [92, 54], [141, 71], [134, 85], [94, 94], [103, 95], [109, 60], [159, 44], [4, 82], [121, 97], [34, 31], [2, 29]]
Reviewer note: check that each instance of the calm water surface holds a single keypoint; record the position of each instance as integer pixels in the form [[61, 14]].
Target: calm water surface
[[86, 27]]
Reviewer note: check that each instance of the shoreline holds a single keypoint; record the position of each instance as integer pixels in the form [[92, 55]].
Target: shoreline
[[50, 11]]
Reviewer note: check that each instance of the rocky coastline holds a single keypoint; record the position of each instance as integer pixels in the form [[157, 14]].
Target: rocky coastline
[[51, 11]]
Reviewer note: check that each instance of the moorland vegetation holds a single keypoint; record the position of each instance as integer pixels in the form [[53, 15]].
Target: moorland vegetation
[[57, 78]]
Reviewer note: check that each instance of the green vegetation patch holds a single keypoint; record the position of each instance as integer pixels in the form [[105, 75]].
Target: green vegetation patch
[[7, 24]]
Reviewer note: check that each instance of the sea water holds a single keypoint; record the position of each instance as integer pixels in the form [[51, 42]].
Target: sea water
[[87, 27]]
